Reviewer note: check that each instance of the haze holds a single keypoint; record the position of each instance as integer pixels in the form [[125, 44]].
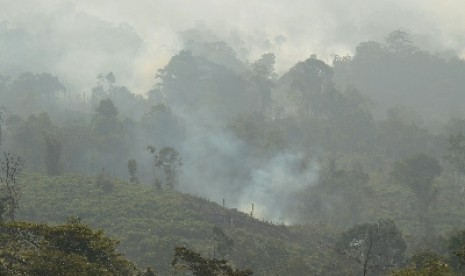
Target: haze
[[291, 30]]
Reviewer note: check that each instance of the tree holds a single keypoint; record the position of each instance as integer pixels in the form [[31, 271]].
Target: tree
[[31, 93], [11, 167], [152, 150], [70, 249], [262, 78], [161, 124], [426, 263], [456, 149], [308, 80], [28, 138], [339, 195], [199, 87], [456, 248], [375, 247], [104, 183], [418, 173], [169, 160], [399, 41], [110, 77], [53, 154], [107, 109], [132, 169], [185, 259], [105, 120], [110, 134]]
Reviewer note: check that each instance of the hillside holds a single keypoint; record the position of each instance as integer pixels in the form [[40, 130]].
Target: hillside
[[151, 223]]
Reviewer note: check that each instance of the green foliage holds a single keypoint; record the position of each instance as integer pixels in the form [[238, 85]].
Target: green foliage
[[418, 173], [132, 169], [207, 90], [426, 263], [29, 140], [54, 147], [456, 248], [185, 259], [107, 109], [169, 160], [307, 81], [104, 182], [150, 223], [374, 247], [33, 93], [338, 198], [224, 244], [456, 151], [71, 249]]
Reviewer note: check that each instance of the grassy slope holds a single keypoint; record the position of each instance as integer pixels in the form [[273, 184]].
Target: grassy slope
[[150, 223]]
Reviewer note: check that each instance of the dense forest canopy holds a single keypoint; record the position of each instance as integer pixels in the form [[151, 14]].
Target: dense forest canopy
[[222, 159]]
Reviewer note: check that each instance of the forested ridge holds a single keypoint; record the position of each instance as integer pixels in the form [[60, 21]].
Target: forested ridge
[[226, 167]]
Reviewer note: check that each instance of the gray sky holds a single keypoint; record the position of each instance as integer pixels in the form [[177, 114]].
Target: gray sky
[[323, 27]]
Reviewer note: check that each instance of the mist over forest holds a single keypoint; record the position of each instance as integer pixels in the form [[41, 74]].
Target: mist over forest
[[316, 121]]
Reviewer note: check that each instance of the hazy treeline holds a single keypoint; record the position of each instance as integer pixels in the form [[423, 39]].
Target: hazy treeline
[[244, 133]]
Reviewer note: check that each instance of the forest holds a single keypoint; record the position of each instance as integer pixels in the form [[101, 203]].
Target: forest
[[353, 165]]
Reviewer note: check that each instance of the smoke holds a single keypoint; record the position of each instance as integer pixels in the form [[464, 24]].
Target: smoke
[[76, 40], [274, 185], [219, 166]]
